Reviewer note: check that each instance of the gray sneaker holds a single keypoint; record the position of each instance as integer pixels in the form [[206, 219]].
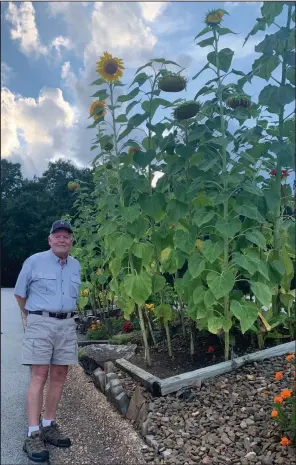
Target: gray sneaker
[[35, 448], [54, 436]]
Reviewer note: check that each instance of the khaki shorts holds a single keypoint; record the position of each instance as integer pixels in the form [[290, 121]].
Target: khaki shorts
[[50, 341]]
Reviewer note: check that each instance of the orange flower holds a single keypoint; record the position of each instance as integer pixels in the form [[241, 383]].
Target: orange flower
[[274, 414], [286, 393], [278, 375], [289, 357], [266, 393], [278, 400], [285, 441]]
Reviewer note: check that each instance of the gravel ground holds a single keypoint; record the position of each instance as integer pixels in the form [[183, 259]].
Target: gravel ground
[[99, 434], [226, 420]]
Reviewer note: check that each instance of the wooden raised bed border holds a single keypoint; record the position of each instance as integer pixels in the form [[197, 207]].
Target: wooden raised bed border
[[161, 387]]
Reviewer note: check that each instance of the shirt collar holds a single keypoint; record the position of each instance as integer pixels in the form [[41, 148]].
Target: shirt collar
[[57, 259]]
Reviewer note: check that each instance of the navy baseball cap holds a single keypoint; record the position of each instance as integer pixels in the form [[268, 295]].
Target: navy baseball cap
[[61, 224]]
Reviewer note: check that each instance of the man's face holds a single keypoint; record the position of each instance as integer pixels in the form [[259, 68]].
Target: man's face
[[60, 242]]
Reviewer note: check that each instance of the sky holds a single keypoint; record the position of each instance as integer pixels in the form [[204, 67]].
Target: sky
[[49, 52]]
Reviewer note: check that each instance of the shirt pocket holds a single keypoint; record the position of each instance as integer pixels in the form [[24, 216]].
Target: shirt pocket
[[75, 282], [46, 283]]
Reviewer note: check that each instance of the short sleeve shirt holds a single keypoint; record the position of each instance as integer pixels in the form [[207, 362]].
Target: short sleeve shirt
[[47, 285]]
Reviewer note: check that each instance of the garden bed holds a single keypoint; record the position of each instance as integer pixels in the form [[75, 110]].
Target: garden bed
[[209, 351]]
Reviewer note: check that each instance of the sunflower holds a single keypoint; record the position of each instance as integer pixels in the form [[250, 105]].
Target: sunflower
[[110, 68], [134, 149], [172, 83], [97, 109], [214, 17], [239, 100], [186, 110]]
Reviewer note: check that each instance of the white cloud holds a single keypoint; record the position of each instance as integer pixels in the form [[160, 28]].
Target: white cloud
[[229, 6], [36, 130], [151, 10], [7, 73], [61, 42], [24, 28]]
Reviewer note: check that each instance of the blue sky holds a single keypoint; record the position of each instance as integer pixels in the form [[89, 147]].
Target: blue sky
[[49, 53]]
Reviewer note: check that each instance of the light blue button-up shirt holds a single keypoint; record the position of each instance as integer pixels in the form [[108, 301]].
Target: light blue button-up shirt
[[47, 285]]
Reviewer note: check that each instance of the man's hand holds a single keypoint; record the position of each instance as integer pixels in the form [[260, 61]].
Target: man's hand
[[22, 302]]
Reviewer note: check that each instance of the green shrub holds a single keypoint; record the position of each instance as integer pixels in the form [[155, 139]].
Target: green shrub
[[97, 334]]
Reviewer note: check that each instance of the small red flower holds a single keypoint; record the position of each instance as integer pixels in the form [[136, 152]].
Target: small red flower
[[273, 172], [285, 173], [211, 350], [127, 327]]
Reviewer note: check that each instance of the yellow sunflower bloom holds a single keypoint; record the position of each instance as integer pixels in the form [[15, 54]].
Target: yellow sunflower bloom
[[110, 68], [96, 106], [214, 17]]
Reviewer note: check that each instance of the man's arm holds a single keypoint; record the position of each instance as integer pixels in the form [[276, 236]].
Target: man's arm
[[22, 302]]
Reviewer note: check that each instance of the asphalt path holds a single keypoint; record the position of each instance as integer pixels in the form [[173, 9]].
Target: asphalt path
[[14, 383]]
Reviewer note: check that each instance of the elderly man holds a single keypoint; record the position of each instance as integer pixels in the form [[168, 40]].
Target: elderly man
[[47, 291]]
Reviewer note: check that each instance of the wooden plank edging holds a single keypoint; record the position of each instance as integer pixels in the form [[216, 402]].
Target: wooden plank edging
[[161, 387]]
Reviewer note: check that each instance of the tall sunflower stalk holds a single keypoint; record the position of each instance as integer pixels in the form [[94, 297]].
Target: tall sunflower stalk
[[110, 69]]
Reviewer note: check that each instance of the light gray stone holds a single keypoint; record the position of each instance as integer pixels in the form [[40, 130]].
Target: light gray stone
[[122, 402], [99, 378], [109, 367], [97, 355], [151, 441], [110, 376]]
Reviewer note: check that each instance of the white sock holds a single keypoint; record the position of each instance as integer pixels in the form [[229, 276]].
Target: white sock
[[46, 422], [32, 429]]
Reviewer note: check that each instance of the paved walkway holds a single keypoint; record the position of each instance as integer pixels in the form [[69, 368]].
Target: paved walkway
[[14, 382]]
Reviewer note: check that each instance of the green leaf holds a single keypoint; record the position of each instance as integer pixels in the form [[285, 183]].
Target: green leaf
[[98, 82], [270, 10], [157, 102], [203, 69], [202, 200], [165, 62], [139, 227], [153, 206], [206, 42], [262, 292], [244, 262], [144, 66], [251, 187], [264, 66], [198, 295], [183, 241], [220, 284], [130, 214], [143, 250], [285, 153], [107, 229], [274, 97], [256, 237], [144, 159], [131, 95], [209, 299], [123, 243], [138, 287], [196, 264], [164, 312], [137, 119], [101, 95], [140, 79], [212, 250], [131, 105], [215, 324], [114, 266], [250, 211], [203, 32], [121, 119], [228, 228], [260, 26], [224, 30], [246, 313], [125, 133], [225, 58], [158, 283], [291, 75], [202, 216]]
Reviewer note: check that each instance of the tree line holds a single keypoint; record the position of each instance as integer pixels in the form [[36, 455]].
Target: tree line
[[29, 207]]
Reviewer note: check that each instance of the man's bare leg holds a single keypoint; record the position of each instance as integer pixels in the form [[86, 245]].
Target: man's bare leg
[[57, 378], [39, 376]]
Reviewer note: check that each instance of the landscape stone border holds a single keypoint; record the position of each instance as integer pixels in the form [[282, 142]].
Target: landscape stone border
[[161, 387]]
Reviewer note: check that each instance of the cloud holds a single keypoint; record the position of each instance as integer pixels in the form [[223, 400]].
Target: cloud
[[61, 42], [229, 6], [34, 131], [24, 28], [7, 73], [151, 10]]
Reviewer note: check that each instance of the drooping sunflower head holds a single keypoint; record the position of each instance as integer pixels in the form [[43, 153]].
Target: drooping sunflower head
[[172, 83], [134, 149], [110, 68], [214, 17], [97, 109], [186, 110], [73, 186], [239, 101]]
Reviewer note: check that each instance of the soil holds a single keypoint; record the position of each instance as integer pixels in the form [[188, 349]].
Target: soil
[[209, 351]]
